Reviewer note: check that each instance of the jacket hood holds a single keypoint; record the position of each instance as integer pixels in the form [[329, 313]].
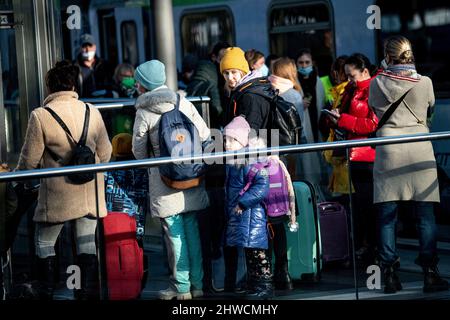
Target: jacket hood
[[392, 88], [158, 101]]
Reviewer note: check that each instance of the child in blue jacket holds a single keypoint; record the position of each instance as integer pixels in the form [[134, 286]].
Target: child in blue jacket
[[246, 216]]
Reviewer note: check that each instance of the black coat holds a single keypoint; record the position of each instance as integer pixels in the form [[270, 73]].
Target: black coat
[[255, 108]]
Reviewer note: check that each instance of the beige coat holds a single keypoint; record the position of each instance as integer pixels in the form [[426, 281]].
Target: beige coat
[[404, 171], [164, 201], [59, 200]]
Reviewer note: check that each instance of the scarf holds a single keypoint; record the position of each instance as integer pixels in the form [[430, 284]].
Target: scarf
[[281, 84], [403, 70]]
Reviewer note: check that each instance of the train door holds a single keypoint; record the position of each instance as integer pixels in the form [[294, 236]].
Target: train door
[[130, 35], [10, 126]]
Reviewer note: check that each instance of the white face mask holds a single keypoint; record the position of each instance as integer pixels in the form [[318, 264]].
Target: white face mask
[[264, 70], [88, 55]]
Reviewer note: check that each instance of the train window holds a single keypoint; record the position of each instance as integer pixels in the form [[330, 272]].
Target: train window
[[201, 30], [293, 27], [129, 43], [107, 24], [427, 25]]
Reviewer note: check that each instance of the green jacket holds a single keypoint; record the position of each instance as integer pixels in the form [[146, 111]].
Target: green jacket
[[205, 82]]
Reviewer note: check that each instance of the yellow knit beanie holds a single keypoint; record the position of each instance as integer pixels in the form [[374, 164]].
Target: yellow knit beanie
[[122, 145], [234, 58]]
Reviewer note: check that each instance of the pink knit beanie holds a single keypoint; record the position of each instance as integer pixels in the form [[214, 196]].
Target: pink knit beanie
[[238, 129]]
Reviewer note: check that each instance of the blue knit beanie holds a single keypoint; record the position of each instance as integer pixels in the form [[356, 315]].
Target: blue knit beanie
[[151, 74]]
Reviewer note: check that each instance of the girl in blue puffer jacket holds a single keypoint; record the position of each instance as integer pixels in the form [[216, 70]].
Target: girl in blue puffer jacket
[[246, 216]]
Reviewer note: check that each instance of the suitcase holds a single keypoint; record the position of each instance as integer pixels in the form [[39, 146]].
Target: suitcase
[[303, 246], [334, 232], [123, 256]]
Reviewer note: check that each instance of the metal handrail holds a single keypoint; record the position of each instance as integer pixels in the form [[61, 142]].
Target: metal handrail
[[153, 162], [112, 104]]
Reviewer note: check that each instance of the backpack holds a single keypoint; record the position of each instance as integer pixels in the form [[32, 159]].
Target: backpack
[[277, 200], [283, 114], [179, 137], [81, 155]]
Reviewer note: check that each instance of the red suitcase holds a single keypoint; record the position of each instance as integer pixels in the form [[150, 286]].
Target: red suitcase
[[124, 257], [334, 232]]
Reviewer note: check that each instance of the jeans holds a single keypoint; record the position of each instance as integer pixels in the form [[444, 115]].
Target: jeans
[[181, 235], [425, 224], [46, 235]]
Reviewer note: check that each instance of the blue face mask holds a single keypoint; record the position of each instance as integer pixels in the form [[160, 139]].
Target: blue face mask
[[305, 71], [264, 70]]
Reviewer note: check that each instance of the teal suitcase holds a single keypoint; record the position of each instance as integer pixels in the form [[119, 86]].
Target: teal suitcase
[[304, 246]]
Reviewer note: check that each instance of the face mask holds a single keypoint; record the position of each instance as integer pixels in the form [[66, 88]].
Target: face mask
[[264, 70], [305, 71], [384, 64], [128, 82], [88, 55]]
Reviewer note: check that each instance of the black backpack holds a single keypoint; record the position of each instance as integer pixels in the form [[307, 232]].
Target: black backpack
[[81, 155], [283, 114]]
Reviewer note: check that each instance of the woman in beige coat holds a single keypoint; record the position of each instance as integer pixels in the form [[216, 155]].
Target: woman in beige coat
[[59, 200], [405, 172]]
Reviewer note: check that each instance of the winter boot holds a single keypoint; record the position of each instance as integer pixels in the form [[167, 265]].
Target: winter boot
[[89, 277], [282, 278], [391, 280], [432, 280], [263, 290], [46, 277]]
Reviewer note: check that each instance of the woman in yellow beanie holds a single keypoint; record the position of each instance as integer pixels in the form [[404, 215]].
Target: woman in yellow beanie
[[240, 82]]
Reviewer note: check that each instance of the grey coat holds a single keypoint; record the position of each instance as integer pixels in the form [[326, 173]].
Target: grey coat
[[165, 201], [404, 172]]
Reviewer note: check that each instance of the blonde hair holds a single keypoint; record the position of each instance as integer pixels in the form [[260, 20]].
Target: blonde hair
[[399, 50], [286, 68]]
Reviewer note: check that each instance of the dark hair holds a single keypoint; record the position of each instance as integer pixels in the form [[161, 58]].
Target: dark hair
[[338, 66], [62, 77], [219, 46], [303, 52], [361, 62]]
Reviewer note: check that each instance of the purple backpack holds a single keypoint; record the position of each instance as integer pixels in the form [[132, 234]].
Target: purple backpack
[[277, 201]]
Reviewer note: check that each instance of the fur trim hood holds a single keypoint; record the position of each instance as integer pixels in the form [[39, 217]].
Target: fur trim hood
[[158, 101]]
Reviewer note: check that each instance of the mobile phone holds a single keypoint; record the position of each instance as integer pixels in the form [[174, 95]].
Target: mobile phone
[[328, 112]]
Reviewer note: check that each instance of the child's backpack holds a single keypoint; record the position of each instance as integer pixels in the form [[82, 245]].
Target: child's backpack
[[277, 200], [179, 137]]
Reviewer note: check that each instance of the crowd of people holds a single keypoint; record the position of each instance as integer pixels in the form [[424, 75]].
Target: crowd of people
[[226, 210]]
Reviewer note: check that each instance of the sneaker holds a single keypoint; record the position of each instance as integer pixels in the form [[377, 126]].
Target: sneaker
[[197, 293], [169, 294]]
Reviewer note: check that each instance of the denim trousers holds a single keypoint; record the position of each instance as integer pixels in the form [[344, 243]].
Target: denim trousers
[[425, 224], [184, 252]]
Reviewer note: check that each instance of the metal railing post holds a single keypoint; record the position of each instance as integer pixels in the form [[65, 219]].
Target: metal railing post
[[352, 225]]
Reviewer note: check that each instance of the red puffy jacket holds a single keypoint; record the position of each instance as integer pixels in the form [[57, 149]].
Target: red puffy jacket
[[358, 119]]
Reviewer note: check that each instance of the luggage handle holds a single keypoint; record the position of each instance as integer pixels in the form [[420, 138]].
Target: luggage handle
[[327, 207]]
